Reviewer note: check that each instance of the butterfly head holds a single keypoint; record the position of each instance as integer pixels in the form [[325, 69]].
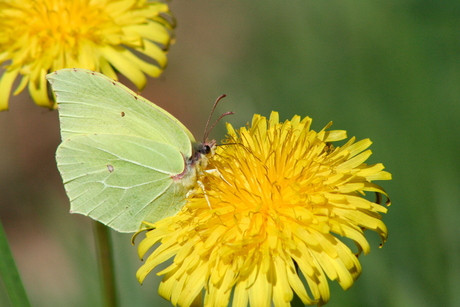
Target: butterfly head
[[202, 151]]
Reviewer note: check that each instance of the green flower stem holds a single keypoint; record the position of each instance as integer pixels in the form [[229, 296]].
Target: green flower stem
[[104, 247], [10, 274]]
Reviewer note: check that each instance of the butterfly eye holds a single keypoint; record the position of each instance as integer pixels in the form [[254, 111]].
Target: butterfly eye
[[205, 149], [202, 149]]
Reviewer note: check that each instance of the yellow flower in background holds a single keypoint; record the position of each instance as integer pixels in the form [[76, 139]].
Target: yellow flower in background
[[278, 198], [40, 36]]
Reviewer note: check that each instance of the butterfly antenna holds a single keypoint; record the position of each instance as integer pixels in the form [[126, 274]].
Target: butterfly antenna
[[206, 131], [215, 123]]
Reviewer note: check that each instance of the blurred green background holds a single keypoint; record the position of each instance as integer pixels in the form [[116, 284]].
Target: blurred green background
[[384, 70]]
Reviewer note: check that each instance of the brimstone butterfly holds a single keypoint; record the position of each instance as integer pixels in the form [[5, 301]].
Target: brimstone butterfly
[[123, 159]]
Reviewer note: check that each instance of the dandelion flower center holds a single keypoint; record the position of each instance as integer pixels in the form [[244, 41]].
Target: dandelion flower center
[[276, 200], [69, 27]]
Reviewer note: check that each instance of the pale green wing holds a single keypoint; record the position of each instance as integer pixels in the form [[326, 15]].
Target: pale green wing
[[90, 103], [121, 180], [122, 158]]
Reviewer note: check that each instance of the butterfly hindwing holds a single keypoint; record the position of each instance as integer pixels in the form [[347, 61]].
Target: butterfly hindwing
[[121, 180]]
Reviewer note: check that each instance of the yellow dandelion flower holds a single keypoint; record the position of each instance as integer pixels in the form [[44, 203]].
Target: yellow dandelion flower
[[277, 199], [39, 36]]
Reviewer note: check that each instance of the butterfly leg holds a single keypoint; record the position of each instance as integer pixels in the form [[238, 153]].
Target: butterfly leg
[[204, 193]]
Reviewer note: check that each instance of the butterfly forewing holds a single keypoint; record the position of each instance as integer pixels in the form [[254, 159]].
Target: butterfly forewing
[[90, 103]]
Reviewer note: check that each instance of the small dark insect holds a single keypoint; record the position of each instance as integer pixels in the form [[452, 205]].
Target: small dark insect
[[110, 168]]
